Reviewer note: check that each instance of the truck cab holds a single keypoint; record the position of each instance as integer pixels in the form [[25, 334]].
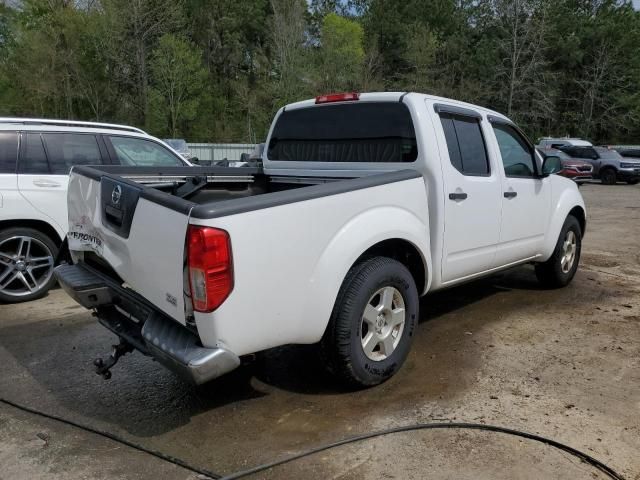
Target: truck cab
[[363, 203]]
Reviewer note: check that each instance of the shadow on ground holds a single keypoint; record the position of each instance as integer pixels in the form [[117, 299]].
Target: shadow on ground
[[146, 400]]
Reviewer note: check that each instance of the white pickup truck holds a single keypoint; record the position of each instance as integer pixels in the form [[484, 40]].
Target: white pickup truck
[[364, 203]]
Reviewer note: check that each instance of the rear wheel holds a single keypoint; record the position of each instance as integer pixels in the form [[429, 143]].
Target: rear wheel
[[371, 328], [633, 181], [608, 176], [26, 264], [560, 269]]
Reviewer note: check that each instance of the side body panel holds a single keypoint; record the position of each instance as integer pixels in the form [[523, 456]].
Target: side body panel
[[564, 197], [46, 194], [290, 261], [13, 205], [470, 226]]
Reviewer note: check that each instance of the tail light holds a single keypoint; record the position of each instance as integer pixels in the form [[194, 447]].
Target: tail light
[[338, 97], [210, 267]]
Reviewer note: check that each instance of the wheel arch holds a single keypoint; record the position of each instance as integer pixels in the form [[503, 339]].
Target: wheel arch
[[568, 202], [579, 213], [40, 225], [404, 252], [404, 238]]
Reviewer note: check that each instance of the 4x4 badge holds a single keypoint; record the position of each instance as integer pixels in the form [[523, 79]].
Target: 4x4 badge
[[116, 194]]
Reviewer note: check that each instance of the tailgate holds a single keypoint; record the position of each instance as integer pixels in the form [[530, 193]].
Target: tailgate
[[142, 240]]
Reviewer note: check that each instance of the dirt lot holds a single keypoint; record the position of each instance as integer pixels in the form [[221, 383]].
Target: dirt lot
[[564, 364]]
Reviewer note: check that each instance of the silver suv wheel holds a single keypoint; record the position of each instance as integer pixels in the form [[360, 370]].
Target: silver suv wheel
[[26, 266]]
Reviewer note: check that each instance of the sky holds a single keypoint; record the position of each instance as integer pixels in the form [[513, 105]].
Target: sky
[[636, 4]]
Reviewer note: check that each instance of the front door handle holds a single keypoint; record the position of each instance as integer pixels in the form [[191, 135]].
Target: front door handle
[[457, 196], [46, 183], [510, 194]]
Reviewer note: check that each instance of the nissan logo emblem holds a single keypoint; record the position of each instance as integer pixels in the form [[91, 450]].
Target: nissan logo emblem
[[116, 194]]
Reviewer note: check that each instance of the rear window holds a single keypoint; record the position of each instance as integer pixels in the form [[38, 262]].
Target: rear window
[[8, 152], [66, 150], [347, 132]]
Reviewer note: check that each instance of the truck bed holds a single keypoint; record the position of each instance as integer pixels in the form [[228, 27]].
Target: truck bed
[[222, 191]]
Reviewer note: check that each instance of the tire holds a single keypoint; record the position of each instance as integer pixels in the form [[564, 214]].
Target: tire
[[608, 176], [633, 181], [27, 259], [379, 285], [554, 273]]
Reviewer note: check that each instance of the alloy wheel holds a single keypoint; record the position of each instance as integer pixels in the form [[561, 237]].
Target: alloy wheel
[[568, 251], [383, 322], [26, 266]]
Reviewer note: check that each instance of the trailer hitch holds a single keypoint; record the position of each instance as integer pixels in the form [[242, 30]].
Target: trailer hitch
[[103, 367]]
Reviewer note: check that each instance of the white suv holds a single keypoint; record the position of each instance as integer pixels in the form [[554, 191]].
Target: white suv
[[35, 158]]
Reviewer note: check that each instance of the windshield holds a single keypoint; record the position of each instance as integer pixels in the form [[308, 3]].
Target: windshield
[[608, 154], [345, 132]]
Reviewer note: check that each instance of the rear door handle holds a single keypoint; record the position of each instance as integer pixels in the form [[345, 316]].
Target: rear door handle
[[457, 196], [46, 183], [510, 194]]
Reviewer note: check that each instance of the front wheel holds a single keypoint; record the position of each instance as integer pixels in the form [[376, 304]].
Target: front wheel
[[633, 181], [560, 269], [371, 327], [608, 176], [26, 264]]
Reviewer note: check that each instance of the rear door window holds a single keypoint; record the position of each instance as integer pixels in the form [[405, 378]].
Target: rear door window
[[33, 158], [466, 145], [8, 152], [346, 132], [140, 152], [66, 150]]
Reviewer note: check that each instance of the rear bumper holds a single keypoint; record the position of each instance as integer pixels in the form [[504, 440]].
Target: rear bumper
[[148, 330]]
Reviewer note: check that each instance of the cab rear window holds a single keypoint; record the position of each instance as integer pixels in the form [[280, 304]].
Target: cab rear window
[[346, 132]]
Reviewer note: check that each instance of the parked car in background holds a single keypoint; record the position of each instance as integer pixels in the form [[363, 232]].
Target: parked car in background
[[608, 165], [35, 159], [364, 202], [180, 146], [631, 154], [577, 170], [551, 142]]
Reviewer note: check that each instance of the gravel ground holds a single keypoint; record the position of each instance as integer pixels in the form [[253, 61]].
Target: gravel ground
[[564, 364]]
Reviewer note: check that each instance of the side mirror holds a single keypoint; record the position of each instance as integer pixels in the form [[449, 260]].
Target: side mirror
[[195, 160], [551, 165]]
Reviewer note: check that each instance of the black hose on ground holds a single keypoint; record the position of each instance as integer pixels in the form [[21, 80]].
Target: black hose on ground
[[610, 472], [115, 438]]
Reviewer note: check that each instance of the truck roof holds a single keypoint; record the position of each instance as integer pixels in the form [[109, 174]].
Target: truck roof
[[407, 97]]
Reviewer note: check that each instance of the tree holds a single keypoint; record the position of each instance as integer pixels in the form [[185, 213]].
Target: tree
[[555, 66], [341, 54], [420, 57], [178, 80], [287, 46], [521, 27], [133, 28]]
